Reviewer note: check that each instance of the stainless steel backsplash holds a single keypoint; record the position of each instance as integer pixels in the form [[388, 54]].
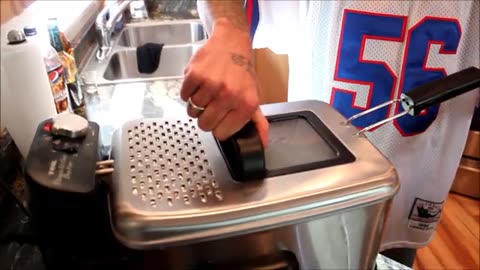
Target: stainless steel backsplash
[[171, 9]]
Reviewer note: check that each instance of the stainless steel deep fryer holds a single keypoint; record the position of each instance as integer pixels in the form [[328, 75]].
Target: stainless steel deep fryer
[[315, 198]]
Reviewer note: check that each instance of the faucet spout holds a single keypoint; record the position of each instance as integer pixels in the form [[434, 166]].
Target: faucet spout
[[114, 16], [105, 26]]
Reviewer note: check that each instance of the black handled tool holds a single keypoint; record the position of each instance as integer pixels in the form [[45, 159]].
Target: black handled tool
[[433, 93], [438, 91], [244, 154]]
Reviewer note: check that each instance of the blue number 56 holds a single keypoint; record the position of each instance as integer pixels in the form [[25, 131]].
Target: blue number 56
[[381, 81]]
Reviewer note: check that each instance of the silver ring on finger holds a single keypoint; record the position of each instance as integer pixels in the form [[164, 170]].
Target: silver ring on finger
[[194, 106]]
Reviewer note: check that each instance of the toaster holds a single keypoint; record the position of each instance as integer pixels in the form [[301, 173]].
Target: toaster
[[174, 197]]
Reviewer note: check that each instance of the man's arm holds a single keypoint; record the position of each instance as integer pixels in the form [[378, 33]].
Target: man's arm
[[231, 10], [220, 77], [229, 14]]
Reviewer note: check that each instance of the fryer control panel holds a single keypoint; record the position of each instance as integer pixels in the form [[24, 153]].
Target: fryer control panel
[[64, 153]]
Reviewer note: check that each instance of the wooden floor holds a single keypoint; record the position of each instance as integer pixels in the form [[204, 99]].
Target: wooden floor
[[456, 244]]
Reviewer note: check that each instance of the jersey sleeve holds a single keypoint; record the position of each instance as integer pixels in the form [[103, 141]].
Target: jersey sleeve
[[278, 24]]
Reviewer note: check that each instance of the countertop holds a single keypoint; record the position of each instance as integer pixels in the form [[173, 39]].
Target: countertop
[[113, 105]]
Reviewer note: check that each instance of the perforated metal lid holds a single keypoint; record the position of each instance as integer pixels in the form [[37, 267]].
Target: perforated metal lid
[[171, 184], [168, 166]]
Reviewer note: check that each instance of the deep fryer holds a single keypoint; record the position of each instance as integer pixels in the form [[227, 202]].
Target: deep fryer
[[177, 198]]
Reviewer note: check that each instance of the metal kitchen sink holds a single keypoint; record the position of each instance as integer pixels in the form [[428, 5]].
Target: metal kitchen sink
[[180, 40], [165, 33], [123, 64]]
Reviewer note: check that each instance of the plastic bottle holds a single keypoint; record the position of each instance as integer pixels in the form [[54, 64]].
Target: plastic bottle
[[54, 68], [75, 94]]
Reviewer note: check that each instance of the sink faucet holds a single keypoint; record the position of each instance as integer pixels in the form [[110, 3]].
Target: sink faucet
[[105, 27]]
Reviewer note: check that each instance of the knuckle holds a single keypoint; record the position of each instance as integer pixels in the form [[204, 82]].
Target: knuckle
[[224, 86], [212, 86], [183, 94], [226, 93], [191, 112], [251, 102], [203, 124], [195, 98], [187, 69], [193, 74], [219, 134]]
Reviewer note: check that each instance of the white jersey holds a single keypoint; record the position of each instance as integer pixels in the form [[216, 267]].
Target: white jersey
[[358, 54]]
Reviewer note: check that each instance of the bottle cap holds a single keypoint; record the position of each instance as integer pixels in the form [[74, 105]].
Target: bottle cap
[[30, 31]]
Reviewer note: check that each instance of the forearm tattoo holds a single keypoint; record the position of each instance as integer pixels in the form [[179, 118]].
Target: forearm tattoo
[[242, 61]]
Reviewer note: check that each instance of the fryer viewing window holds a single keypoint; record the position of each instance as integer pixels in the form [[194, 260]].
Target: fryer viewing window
[[294, 142], [300, 142]]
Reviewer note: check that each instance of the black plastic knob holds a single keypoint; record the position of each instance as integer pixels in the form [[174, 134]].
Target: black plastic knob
[[244, 154]]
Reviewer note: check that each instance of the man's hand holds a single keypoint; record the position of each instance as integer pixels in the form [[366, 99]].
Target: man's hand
[[221, 79]]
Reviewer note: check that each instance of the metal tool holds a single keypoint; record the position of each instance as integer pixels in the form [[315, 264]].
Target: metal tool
[[427, 95]]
